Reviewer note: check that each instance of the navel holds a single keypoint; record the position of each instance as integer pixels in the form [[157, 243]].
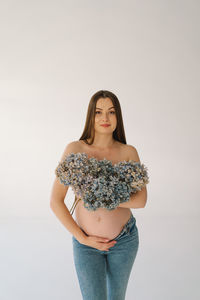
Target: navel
[[98, 219]]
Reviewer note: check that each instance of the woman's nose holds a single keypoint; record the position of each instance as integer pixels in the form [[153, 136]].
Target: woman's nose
[[105, 117]]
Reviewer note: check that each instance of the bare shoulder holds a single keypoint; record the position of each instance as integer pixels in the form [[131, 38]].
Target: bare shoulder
[[71, 147], [132, 153]]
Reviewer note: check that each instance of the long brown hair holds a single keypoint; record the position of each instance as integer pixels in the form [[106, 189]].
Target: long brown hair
[[89, 132]]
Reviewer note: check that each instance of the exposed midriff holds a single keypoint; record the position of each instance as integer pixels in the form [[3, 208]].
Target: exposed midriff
[[101, 222]]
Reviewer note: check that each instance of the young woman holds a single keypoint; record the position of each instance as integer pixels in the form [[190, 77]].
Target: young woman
[[108, 180]]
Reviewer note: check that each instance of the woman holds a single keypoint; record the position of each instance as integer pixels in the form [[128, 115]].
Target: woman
[[105, 237]]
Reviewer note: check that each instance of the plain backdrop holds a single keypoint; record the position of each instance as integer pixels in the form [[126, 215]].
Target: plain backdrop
[[54, 55]]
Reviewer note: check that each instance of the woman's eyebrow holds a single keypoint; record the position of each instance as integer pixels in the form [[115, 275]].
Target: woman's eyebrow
[[102, 109]]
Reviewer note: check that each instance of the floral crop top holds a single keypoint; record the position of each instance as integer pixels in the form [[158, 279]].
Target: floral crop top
[[99, 182]]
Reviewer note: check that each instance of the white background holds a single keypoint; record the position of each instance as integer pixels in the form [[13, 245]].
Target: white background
[[54, 56]]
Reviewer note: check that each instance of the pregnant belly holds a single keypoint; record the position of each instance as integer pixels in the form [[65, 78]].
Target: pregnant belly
[[102, 222]]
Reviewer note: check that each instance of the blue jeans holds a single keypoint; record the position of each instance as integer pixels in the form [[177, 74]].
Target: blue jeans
[[104, 275]]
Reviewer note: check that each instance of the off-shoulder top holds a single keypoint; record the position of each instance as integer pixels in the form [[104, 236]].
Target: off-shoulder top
[[99, 182]]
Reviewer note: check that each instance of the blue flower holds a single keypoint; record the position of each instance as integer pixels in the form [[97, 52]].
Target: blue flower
[[100, 183]]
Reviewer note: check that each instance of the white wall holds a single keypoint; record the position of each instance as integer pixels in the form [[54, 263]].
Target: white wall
[[54, 56]]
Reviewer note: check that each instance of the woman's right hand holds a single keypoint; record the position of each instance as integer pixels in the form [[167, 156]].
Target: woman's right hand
[[99, 243]]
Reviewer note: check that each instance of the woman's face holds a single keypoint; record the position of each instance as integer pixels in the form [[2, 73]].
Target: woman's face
[[105, 114]]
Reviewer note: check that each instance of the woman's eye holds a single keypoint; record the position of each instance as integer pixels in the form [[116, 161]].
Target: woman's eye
[[112, 112]]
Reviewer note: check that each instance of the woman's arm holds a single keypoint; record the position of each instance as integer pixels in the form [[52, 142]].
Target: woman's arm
[[137, 200], [58, 206]]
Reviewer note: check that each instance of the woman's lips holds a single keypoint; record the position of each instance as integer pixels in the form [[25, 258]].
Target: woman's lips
[[105, 125]]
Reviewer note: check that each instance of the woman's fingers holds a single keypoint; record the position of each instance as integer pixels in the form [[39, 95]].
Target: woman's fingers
[[100, 243], [106, 246]]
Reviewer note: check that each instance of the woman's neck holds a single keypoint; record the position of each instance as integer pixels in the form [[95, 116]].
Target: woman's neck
[[103, 143]]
